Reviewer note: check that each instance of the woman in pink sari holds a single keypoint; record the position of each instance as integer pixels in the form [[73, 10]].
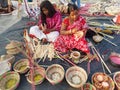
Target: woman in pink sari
[[72, 32], [49, 23]]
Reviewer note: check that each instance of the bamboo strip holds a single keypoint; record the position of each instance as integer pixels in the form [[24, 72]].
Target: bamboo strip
[[100, 58]]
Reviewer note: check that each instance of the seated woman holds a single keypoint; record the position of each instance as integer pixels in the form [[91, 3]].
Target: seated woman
[[49, 23], [73, 33]]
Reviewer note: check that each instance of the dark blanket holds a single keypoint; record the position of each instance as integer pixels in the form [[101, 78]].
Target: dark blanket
[[16, 33]]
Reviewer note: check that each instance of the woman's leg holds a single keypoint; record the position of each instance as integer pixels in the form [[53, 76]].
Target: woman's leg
[[34, 30], [52, 36]]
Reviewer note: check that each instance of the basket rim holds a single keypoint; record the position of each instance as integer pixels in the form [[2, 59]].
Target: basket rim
[[91, 85], [113, 85], [79, 68], [8, 73], [51, 66], [118, 72], [20, 61], [27, 77]]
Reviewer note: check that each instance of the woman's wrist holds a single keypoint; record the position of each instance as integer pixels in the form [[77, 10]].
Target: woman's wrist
[[70, 31]]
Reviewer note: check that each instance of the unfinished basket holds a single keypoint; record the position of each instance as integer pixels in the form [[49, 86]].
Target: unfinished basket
[[76, 76], [38, 76], [21, 66], [55, 73], [102, 81], [9, 58], [9, 81], [116, 79], [88, 86]]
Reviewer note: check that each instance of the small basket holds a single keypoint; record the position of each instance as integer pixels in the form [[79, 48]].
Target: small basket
[[75, 55], [38, 77], [21, 66], [116, 78], [76, 76], [55, 74], [102, 81], [88, 86], [9, 58], [9, 81]]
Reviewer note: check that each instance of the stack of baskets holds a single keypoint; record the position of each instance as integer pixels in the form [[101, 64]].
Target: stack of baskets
[[8, 58], [12, 47]]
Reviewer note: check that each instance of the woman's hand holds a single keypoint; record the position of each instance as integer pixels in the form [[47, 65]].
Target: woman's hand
[[73, 31], [79, 34], [44, 28]]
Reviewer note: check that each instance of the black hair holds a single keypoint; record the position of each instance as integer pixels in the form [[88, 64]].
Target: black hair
[[51, 10], [71, 7]]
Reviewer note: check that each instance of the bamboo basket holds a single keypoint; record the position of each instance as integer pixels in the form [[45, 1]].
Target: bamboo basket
[[9, 58], [38, 76], [102, 81], [9, 81], [76, 76], [21, 66], [88, 86], [114, 78], [55, 74]]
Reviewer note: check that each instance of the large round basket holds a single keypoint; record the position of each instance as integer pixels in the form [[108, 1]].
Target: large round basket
[[76, 76], [9, 81], [116, 79], [9, 58], [102, 81], [55, 74], [88, 86], [21, 66], [38, 76]]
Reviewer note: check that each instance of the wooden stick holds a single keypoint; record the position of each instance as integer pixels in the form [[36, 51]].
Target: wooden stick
[[110, 42], [106, 35], [66, 59], [101, 59], [91, 28]]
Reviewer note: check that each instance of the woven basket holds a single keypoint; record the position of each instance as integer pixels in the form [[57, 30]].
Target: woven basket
[[76, 76], [21, 66], [9, 81], [88, 86], [39, 72], [9, 58], [99, 78], [55, 74], [117, 74]]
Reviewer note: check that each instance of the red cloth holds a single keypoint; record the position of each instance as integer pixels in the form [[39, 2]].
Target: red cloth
[[118, 19], [32, 36], [68, 42]]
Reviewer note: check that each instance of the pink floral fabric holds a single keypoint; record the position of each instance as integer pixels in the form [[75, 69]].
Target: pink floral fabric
[[54, 22], [68, 42]]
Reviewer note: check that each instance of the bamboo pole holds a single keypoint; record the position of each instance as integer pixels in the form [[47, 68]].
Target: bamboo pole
[[100, 58]]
